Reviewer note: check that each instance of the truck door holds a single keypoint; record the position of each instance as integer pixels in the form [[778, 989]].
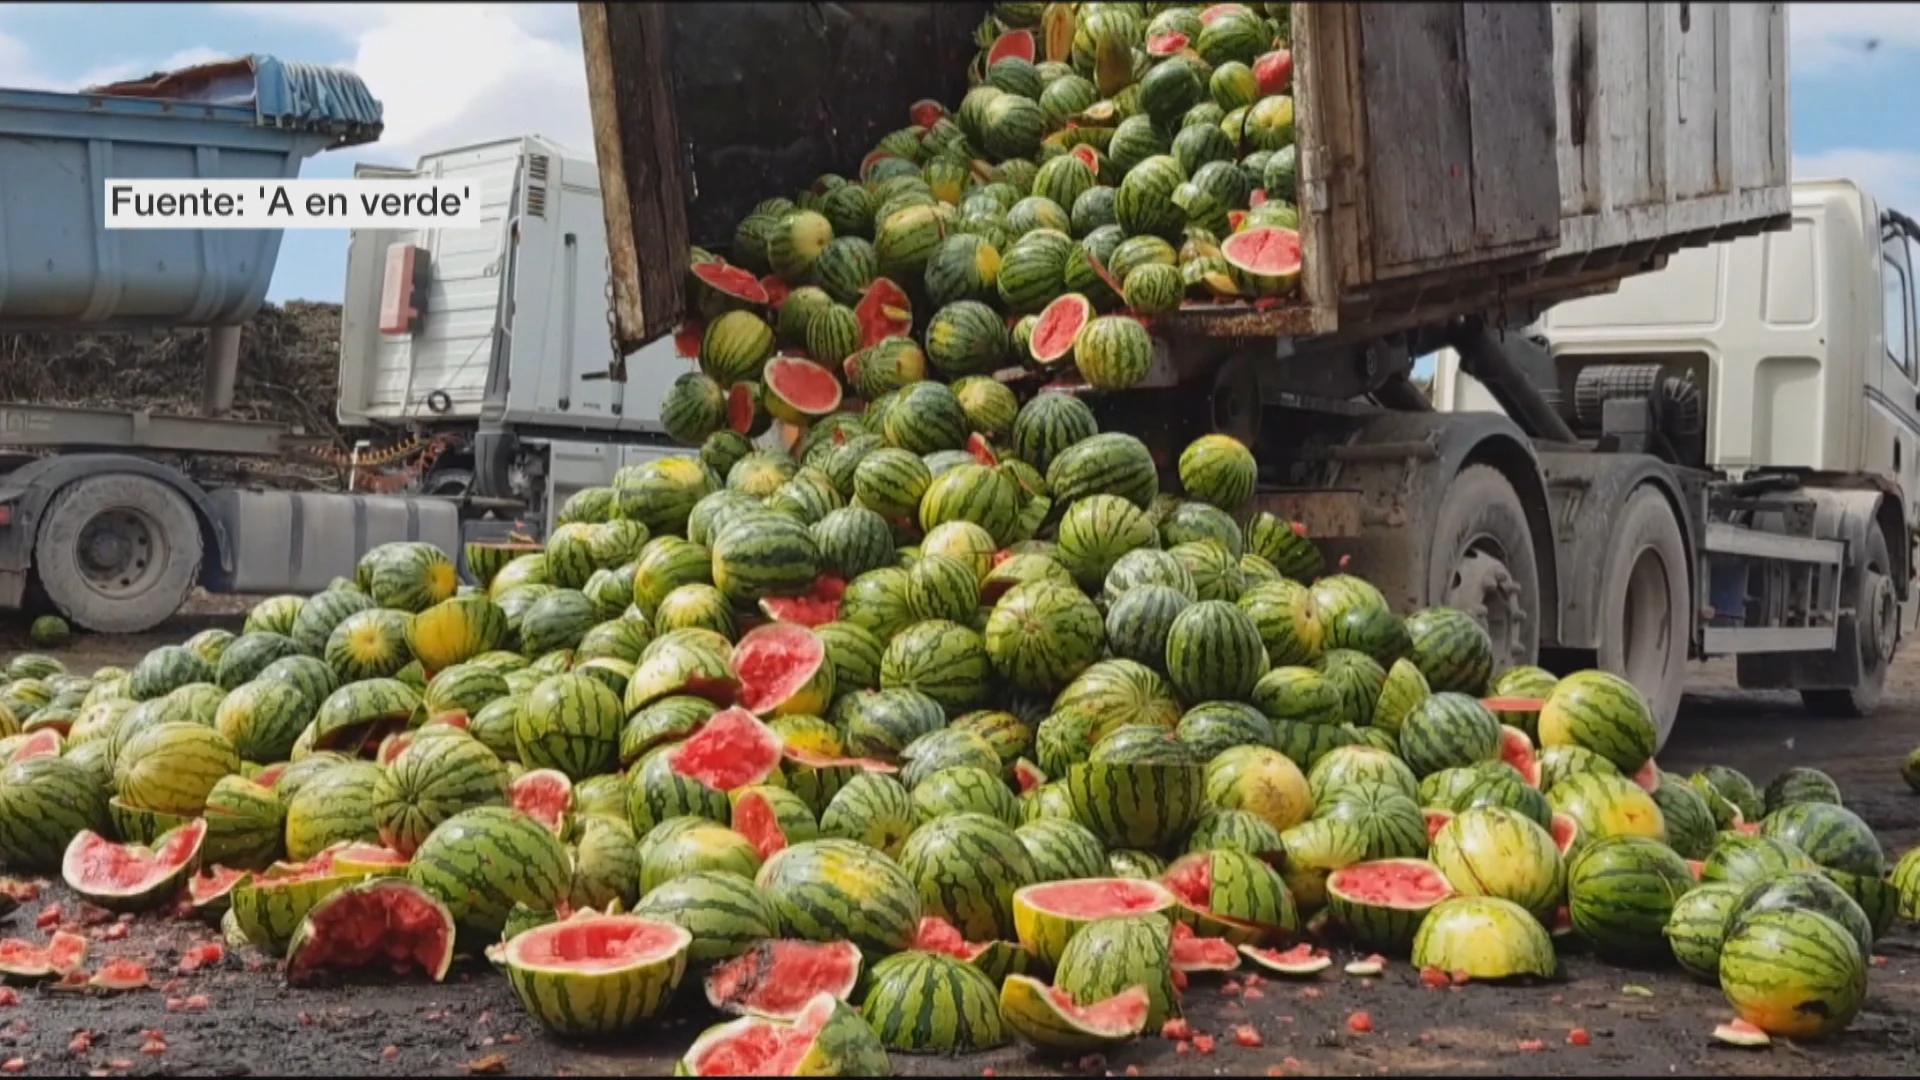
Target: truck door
[[1893, 398]]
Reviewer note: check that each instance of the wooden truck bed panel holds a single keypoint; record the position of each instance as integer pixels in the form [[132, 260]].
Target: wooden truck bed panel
[[1455, 158]]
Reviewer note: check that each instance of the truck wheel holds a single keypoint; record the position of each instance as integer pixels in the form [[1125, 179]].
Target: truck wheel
[[1645, 612], [1482, 563], [1879, 621], [117, 553]]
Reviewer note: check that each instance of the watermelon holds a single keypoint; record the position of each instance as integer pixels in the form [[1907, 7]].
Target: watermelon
[[131, 877], [1111, 955], [1698, 927], [1113, 352], [453, 863], [1047, 916], [1489, 851], [1483, 938], [1621, 892], [1797, 974], [836, 890], [1601, 712], [778, 979], [828, 1038], [1265, 261], [1060, 325], [720, 908], [596, 975], [1049, 1018], [899, 989], [783, 670], [799, 390], [1232, 895], [386, 923]]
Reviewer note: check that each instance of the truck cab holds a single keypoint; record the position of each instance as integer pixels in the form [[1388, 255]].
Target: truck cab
[[1799, 355]]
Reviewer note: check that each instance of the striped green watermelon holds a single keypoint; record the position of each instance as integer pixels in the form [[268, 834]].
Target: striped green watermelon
[[1601, 712], [836, 890], [1381, 904], [483, 861], [1621, 892], [45, 802], [597, 974], [409, 576], [1042, 635], [1111, 955], [1232, 895], [901, 988], [171, 767], [1114, 352], [1484, 938], [431, 781], [926, 417], [943, 660], [1048, 425], [967, 868], [1451, 649], [1448, 730], [1832, 836], [1214, 652], [334, 806], [1218, 470], [966, 337], [1698, 927], [721, 909], [1145, 203], [1138, 792], [1797, 974]]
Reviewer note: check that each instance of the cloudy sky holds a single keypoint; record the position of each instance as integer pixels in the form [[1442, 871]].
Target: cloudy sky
[[451, 74]]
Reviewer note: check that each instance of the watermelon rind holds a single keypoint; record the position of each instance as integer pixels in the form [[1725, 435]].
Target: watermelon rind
[[1030, 1009], [172, 858], [614, 993], [428, 944]]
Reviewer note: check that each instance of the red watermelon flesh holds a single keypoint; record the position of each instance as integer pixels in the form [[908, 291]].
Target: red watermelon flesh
[[270, 775], [779, 979], [731, 750], [1166, 44], [884, 311], [1089, 155], [1648, 777], [732, 281], [1436, 820], [364, 855], [1406, 884], [1014, 43], [1235, 217], [42, 743], [1274, 72], [926, 112], [808, 387], [982, 450], [213, 884], [1270, 250], [774, 663], [1299, 960], [1100, 898], [1517, 750], [756, 1046], [776, 289], [1119, 1016], [1217, 10], [936, 934], [1028, 776], [1058, 328], [121, 975], [1191, 879], [99, 868], [1566, 832], [387, 923], [817, 608], [594, 944], [754, 819], [687, 339], [545, 795], [1195, 953], [63, 953], [742, 410]]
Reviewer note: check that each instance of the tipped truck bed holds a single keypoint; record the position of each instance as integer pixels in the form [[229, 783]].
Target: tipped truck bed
[[1455, 158]]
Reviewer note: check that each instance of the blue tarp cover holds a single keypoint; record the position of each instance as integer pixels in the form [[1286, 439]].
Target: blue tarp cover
[[282, 93]]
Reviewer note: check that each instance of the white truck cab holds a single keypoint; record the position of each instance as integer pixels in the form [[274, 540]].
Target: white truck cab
[[1804, 348]]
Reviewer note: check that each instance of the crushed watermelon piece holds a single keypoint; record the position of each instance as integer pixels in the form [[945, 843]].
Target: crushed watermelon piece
[[779, 979], [1193, 952], [732, 749], [884, 311], [545, 795], [733, 281], [121, 975], [386, 923], [1018, 44], [815, 609]]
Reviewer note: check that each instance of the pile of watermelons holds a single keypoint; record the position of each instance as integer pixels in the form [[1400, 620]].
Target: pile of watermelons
[[957, 722]]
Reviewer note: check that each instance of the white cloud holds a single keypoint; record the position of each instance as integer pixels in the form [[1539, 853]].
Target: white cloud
[[451, 74], [1892, 177], [1828, 36]]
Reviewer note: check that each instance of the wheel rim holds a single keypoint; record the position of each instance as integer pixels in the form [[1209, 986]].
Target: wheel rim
[[1879, 623], [120, 552], [1483, 587], [1647, 623]]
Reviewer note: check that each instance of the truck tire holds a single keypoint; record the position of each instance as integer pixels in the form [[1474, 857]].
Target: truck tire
[[1645, 605], [1482, 563], [1878, 605], [117, 553]]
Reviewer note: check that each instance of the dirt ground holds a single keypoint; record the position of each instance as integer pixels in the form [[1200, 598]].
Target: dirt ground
[[237, 1017]]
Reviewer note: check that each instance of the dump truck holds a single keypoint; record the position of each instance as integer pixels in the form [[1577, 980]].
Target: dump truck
[[1786, 366], [1463, 168], [484, 405]]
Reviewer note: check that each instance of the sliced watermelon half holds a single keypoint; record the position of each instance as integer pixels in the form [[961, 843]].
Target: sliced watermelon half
[[1267, 258], [1058, 328], [208, 890], [688, 338], [1164, 45], [733, 749], [815, 609], [1301, 960], [388, 923], [776, 289], [884, 311], [746, 409], [1048, 1017], [1437, 818], [545, 795], [1089, 155], [1018, 44], [798, 390], [757, 1046], [1046, 916], [1517, 751], [369, 860], [1028, 776], [780, 669], [926, 112], [42, 743], [1194, 953], [129, 877], [1566, 832], [982, 450], [1405, 885], [779, 979], [729, 280], [755, 818], [1274, 72]]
